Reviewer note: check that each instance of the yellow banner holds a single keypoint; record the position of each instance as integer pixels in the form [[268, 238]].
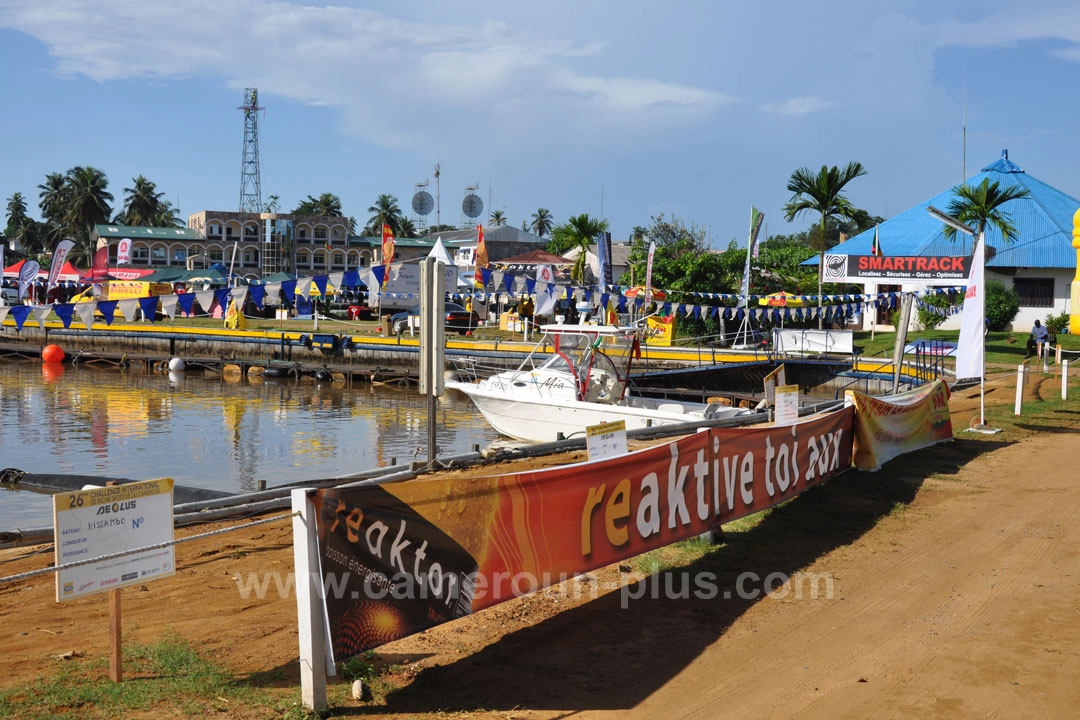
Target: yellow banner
[[895, 424], [661, 330]]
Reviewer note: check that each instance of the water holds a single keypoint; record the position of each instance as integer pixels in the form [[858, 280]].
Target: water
[[205, 431]]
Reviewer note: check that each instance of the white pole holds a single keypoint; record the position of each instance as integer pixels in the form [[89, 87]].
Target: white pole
[[1064, 378], [309, 604], [1019, 388]]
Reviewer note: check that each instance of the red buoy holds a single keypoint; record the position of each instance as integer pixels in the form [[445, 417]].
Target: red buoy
[[52, 354]]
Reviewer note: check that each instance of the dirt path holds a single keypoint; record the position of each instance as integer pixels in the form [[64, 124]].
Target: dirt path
[[948, 586]]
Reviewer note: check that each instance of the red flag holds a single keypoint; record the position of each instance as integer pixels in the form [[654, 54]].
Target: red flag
[[387, 250], [481, 256], [99, 271]]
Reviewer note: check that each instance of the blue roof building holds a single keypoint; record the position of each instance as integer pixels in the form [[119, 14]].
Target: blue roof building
[[1039, 262]]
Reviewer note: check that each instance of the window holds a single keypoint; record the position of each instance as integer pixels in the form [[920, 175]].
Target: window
[[179, 256], [228, 231], [213, 229], [158, 255], [215, 255], [1035, 292], [320, 233], [140, 254], [302, 233]]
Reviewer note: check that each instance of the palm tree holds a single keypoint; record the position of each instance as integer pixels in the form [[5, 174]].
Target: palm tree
[[638, 235], [51, 202], [143, 204], [326, 205], [385, 211], [21, 228], [578, 232], [498, 217], [407, 229], [167, 216], [822, 193], [86, 204], [542, 222], [980, 205]]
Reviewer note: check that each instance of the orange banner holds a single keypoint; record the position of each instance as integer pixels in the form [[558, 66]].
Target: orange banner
[[399, 558], [895, 424]]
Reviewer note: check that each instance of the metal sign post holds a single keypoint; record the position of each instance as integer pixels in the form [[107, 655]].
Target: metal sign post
[[432, 341]]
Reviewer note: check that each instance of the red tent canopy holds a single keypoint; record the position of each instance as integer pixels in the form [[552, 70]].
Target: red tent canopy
[[68, 273]]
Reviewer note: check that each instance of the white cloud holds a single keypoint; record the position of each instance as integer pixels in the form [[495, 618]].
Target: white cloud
[[1048, 20], [798, 106], [397, 82]]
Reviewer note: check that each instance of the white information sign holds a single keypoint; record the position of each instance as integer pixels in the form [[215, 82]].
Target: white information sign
[[606, 440], [787, 405], [104, 521]]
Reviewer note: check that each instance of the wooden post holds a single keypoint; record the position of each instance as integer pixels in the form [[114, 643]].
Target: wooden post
[[1064, 379], [116, 657]]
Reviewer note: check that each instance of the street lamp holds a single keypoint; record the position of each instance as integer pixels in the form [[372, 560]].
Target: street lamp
[[972, 321]]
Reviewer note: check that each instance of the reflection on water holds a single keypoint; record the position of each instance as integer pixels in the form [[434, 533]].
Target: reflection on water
[[208, 431]]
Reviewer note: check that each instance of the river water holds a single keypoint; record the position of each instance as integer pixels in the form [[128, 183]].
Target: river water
[[206, 431]]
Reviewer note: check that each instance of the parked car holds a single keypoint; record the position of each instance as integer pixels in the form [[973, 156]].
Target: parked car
[[457, 318]]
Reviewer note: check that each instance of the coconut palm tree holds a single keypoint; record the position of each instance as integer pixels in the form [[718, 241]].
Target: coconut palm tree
[[821, 193], [326, 205], [542, 222], [406, 228], [580, 232], [498, 217], [21, 228], [977, 206], [86, 204], [142, 204], [385, 211]]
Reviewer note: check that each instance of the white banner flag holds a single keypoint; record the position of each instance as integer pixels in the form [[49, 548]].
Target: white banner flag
[[123, 252], [27, 274], [970, 351]]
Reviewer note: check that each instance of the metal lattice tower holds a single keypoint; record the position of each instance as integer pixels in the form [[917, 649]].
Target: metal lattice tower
[[250, 186]]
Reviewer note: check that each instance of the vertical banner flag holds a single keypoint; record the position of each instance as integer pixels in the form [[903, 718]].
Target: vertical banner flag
[[99, 271], [59, 257], [969, 350], [876, 249], [27, 273], [603, 254], [648, 271], [481, 256], [123, 252], [756, 218], [387, 251]]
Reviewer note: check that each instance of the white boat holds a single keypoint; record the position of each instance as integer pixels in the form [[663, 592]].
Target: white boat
[[582, 382]]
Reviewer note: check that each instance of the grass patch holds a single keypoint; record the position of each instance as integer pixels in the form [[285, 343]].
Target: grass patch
[[1008, 348], [168, 677], [676, 555]]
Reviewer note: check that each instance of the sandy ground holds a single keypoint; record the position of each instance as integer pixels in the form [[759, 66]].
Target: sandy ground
[[946, 586]]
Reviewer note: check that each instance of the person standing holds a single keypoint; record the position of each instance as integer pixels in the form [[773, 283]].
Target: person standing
[[1042, 337]]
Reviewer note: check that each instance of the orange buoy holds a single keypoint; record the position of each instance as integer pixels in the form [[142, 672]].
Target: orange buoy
[[52, 354]]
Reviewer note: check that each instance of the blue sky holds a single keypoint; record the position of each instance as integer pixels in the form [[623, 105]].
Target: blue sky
[[695, 108]]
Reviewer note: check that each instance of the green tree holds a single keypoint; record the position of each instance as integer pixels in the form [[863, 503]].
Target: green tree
[[52, 203], [542, 222], [326, 205], [579, 232], [273, 204], [142, 204], [497, 218], [21, 228], [385, 211], [681, 258], [821, 193], [1002, 305], [86, 204], [977, 206], [407, 229]]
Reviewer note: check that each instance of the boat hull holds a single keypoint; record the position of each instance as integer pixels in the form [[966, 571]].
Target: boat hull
[[539, 419]]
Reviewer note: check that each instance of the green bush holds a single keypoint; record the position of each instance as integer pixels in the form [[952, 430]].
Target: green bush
[[1002, 305], [1057, 323], [928, 319]]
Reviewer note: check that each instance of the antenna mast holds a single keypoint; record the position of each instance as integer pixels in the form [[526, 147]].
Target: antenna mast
[[438, 214], [964, 141], [250, 186]]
